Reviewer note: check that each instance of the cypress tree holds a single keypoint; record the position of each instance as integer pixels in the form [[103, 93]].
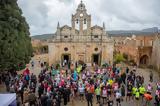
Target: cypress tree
[[15, 42]]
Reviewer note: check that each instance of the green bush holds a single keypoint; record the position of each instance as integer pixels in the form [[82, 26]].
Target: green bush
[[118, 58]]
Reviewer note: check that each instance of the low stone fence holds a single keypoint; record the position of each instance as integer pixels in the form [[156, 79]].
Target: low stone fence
[[43, 57]]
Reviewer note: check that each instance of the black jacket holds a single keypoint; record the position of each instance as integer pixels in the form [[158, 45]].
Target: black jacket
[[89, 96]]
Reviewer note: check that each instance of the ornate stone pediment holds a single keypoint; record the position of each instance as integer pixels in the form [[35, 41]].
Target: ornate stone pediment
[[66, 27], [97, 27]]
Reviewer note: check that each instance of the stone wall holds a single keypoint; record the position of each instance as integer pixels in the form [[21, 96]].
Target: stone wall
[[43, 57], [80, 51], [135, 46], [37, 43], [156, 54], [129, 50]]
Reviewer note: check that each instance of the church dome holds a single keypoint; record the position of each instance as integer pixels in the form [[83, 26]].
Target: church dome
[[81, 6]]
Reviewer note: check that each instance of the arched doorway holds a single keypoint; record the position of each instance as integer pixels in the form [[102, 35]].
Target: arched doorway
[[66, 58], [144, 60], [96, 59]]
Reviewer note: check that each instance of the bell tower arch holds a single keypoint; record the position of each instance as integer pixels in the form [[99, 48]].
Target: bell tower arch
[[81, 20]]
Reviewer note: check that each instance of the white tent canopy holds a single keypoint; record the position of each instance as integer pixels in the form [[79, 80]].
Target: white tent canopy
[[7, 99]]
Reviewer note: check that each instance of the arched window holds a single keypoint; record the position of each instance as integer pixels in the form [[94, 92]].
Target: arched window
[[84, 24], [81, 5], [84, 21], [77, 24], [77, 21]]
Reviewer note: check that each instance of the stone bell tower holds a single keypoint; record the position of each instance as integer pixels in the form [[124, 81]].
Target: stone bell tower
[[81, 20]]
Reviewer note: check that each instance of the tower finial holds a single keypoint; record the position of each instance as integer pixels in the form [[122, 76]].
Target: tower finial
[[81, 1], [58, 25], [103, 25]]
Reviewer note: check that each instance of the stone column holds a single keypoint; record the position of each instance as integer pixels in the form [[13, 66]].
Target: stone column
[[89, 25], [81, 26], [73, 25], [73, 22]]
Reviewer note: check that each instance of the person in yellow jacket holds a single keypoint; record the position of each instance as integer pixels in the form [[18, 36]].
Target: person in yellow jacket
[[142, 90], [134, 90], [98, 93], [137, 96]]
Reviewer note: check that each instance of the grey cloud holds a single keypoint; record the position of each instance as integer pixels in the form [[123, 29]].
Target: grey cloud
[[43, 15], [133, 11], [35, 13], [66, 1]]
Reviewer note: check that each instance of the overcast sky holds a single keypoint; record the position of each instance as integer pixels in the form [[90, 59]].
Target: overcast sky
[[43, 15]]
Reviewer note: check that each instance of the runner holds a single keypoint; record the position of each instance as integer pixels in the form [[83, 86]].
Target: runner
[[98, 93], [118, 98]]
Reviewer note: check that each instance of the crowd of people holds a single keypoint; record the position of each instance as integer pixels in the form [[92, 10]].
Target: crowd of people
[[55, 85]]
